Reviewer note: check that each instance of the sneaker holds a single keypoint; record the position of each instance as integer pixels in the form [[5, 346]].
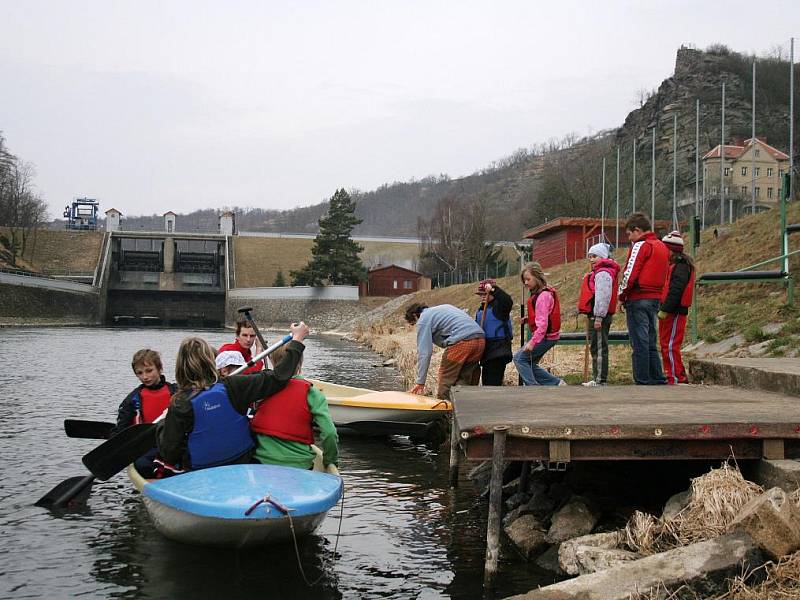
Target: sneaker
[[562, 382], [591, 383]]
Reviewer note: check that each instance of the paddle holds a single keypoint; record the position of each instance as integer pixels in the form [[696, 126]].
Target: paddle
[[90, 430], [112, 456], [74, 490]]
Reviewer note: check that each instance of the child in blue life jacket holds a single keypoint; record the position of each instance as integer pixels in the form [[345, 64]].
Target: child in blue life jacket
[[598, 301], [146, 402], [283, 424]]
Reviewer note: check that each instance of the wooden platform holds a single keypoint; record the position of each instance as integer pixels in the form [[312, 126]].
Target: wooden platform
[[561, 424]]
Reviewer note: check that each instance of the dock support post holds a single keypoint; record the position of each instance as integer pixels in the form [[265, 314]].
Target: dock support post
[[495, 507], [524, 476], [454, 441]]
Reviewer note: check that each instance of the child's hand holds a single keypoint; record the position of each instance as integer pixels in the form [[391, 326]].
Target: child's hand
[[299, 331], [598, 322], [662, 314]]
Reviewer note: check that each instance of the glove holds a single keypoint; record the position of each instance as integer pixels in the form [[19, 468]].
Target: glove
[[662, 314]]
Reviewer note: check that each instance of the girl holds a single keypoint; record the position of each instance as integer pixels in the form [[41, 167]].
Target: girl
[[494, 317], [675, 302], [544, 320], [206, 424]]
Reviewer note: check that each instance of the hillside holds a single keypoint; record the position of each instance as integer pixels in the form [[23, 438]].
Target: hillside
[[62, 251], [752, 319]]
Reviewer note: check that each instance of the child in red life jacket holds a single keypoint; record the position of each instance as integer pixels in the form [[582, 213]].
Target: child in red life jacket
[[146, 402], [675, 302], [544, 320], [283, 424], [598, 301]]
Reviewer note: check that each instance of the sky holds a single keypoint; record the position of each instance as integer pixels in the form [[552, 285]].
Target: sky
[[178, 105]]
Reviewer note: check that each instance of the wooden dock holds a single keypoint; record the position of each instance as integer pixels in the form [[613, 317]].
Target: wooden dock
[[557, 425]]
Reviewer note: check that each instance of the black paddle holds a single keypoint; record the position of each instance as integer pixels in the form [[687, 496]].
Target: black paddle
[[72, 491], [112, 456], [89, 430]]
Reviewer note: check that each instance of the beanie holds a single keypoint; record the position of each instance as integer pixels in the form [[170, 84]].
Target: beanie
[[600, 250], [674, 241]]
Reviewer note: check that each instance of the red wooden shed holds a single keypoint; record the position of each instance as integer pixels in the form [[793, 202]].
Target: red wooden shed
[[392, 280]]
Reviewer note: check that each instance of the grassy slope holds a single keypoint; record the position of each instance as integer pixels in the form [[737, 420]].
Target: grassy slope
[[76, 251]]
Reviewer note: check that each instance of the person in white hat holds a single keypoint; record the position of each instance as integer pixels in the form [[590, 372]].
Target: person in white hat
[[228, 361], [675, 302], [598, 301]]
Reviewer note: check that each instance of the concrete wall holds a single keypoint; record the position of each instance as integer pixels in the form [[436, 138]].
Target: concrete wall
[[321, 315], [28, 305], [300, 292], [171, 308], [63, 285]]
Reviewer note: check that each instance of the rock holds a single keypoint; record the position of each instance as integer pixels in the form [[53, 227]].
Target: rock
[[568, 552], [698, 568], [560, 492], [541, 504], [590, 559], [773, 521], [527, 534], [515, 500], [389, 363], [548, 560], [516, 513], [675, 504], [771, 328], [781, 473], [759, 348], [480, 475], [574, 519]]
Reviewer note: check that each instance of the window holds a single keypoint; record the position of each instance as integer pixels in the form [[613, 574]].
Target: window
[[769, 171], [758, 192], [744, 170], [394, 284], [727, 171], [756, 152], [407, 284], [744, 190], [169, 226], [780, 172], [757, 171], [727, 189], [769, 192]]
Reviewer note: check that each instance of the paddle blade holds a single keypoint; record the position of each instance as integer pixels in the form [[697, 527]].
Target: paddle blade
[[112, 456], [90, 430], [74, 490]]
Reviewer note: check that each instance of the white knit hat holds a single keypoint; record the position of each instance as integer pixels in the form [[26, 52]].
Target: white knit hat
[[600, 250], [230, 358], [674, 241]]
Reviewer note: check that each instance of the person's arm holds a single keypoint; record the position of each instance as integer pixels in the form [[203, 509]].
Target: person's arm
[[602, 293], [633, 267], [677, 284], [544, 306], [173, 431], [126, 412], [502, 304], [246, 389], [328, 438], [424, 348]]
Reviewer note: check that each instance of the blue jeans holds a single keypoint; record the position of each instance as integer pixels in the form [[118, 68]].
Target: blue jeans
[[643, 332], [527, 364]]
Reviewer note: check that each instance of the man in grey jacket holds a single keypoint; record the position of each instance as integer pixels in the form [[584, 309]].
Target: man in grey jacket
[[461, 337]]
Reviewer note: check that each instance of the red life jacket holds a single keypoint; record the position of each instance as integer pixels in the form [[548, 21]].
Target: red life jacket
[[553, 319], [586, 296], [651, 277], [246, 354], [688, 291], [151, 403], [286, 415]]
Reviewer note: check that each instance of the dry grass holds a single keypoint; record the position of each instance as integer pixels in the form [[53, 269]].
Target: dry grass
[[715, 499], [62, 250]]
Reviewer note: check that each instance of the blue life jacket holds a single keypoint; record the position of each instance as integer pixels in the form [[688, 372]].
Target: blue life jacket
[[220, 434], [494, 328]]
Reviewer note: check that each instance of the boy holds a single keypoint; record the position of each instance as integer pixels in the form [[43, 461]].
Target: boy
[[146, 402], [283, 424], [598, 301], [228, 361], [639, 293], [245, 342]]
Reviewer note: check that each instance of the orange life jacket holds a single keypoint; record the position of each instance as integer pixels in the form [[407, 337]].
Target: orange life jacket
[[286, 415], [553, 319]]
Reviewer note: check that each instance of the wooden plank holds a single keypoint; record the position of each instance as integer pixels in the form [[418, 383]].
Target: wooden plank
[[559, 451], [773, 449]]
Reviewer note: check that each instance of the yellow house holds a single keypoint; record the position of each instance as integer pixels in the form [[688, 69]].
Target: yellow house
[[741, 163]]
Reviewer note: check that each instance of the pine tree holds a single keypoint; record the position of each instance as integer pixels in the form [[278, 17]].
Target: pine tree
[[334, 255], [279, 279]]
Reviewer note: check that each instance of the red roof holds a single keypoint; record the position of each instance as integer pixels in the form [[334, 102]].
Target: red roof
[[562, 222], [382, 268], [733, 152], [169, 212]]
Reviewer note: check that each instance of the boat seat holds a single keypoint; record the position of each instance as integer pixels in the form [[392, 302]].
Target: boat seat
[[741, 276]]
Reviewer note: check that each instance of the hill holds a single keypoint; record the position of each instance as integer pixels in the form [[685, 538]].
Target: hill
[[733, 319]]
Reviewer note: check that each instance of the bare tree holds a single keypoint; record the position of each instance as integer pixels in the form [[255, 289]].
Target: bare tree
[[21, 210]]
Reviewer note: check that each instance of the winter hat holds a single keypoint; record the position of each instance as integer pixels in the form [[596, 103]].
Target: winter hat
[[484, 283], [230, 358], [674, 241], [600, 250]]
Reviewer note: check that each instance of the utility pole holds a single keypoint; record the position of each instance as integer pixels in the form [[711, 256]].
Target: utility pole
[[653, 180], [616, 233], [791, 115], [603, 203], [753, 145], [675, 171], [633, 208], [722, 162], [697, 158]]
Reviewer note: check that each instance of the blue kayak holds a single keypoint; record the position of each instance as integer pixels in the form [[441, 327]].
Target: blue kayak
[[239, 505]]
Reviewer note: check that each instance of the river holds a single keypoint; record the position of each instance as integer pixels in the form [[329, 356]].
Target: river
[[404, 533]]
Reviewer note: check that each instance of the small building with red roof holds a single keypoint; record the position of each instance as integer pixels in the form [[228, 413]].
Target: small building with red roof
[[393, 280]]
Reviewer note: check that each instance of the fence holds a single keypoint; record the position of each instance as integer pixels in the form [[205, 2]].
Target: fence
[[473, 275]]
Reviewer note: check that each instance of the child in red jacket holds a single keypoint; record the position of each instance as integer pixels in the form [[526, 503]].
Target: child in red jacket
[[675, 302]]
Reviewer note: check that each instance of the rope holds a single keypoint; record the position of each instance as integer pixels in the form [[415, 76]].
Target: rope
[[335, 546]]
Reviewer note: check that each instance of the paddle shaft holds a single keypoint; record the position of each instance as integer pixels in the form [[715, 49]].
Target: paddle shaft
[[263, 354]]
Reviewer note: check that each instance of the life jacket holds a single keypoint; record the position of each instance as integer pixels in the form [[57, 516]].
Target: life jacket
[[652, 276], [286, 415], [586, 295], [220, 434], [493, 328], [150, 403], [688, 291], [553, 319]]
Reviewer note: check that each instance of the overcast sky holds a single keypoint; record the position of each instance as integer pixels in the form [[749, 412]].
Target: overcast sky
[[176, 105]]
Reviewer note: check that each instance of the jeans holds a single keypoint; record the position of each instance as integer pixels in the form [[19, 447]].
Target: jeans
[[527, 364], [643, 332]]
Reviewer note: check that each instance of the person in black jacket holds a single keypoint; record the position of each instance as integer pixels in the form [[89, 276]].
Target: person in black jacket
[[496, 324], [675, 302]]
